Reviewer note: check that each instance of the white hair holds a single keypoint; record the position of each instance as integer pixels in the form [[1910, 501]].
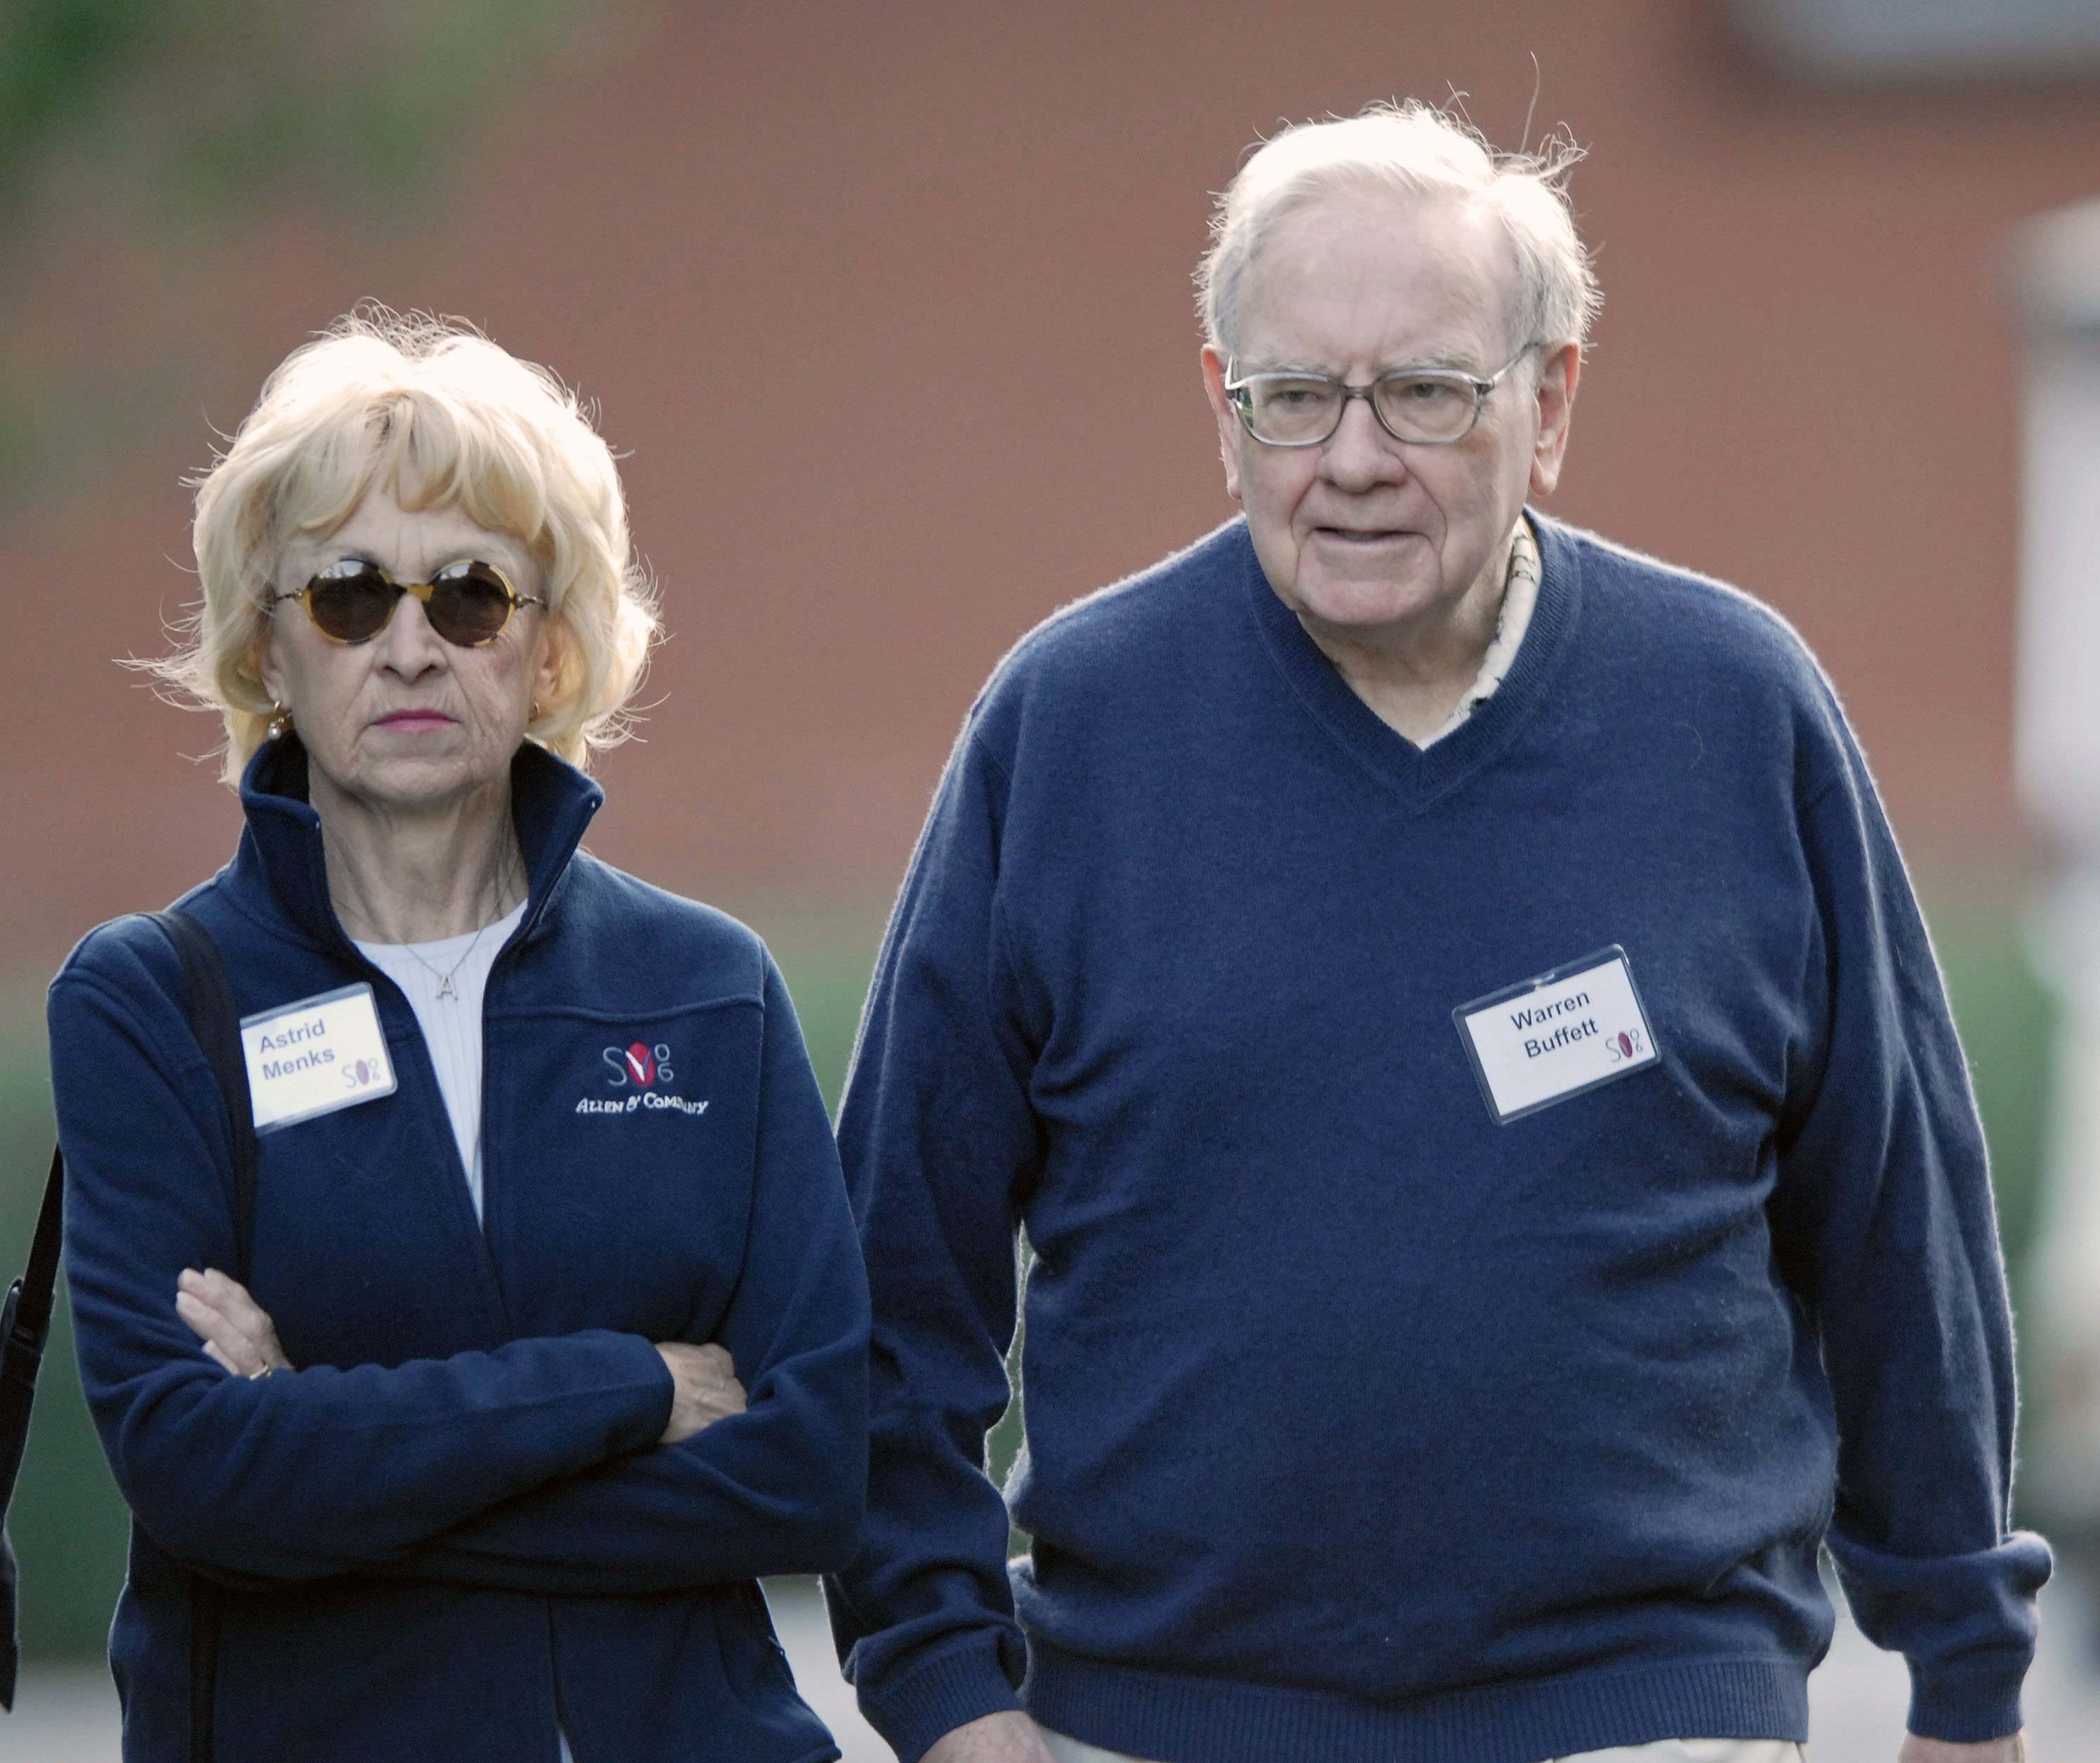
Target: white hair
[[1410, 149]]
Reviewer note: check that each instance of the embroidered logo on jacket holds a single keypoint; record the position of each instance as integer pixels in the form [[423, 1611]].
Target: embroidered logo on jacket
[[639, 1064], [639, 1069]]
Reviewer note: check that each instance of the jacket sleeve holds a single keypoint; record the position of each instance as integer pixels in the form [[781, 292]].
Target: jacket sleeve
[[941, 1145], [777, 1489], [1883, 1217], [293, 1476]]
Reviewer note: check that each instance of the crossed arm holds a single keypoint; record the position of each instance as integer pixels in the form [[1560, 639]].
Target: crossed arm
[[663, 1517], [664, 1514], [237, 1332]]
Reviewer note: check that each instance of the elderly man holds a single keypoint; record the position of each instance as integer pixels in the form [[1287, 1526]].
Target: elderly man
[[1440, 994]]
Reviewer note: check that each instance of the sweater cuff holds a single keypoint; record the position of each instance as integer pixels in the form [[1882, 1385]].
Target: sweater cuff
[[961, 1683], [1968, 1702]]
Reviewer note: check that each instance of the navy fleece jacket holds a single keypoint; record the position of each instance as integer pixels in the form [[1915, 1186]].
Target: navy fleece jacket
[[1361, 1428], [453, 1523]]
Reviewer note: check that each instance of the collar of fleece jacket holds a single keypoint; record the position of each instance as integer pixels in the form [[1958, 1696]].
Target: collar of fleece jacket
[[552, 803]]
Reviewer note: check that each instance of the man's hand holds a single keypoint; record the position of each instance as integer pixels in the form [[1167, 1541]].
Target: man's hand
[[236, 1330], [704, 1388], [1008, 1738], [2012, 1748]]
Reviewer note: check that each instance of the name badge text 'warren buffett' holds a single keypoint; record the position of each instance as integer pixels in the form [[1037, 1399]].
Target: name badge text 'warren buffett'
[[315, 1056], [1551, 1038]]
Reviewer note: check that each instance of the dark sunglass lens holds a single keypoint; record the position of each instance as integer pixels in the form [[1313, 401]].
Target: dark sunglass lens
[[470, 605], [352, 607]]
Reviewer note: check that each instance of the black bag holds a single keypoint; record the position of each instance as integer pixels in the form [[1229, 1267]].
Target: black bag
[[26, 1320]]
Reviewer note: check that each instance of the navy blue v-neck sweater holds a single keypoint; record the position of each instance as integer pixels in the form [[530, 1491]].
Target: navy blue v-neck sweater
[[1361, 1428], [454, 1526]]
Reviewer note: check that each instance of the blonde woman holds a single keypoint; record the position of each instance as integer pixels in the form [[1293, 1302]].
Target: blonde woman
[[555, 1332]]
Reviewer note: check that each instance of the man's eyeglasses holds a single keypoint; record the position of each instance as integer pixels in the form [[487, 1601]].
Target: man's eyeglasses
[[1427, 406], [468, 603]]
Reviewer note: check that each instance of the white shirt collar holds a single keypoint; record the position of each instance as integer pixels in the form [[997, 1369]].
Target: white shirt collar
[[1520, 597]]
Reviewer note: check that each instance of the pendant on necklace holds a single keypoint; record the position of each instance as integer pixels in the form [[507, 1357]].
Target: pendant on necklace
[[446, 989]]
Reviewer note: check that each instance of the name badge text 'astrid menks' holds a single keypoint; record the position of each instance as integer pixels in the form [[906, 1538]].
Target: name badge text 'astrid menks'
[[1553, 1037], [315, 1056]]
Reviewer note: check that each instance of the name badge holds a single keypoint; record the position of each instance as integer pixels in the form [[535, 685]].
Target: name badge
[[1546, 1039], [315, 1056]]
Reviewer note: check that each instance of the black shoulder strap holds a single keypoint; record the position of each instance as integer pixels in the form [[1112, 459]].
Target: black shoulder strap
[[24, 1322], [215, 1020]]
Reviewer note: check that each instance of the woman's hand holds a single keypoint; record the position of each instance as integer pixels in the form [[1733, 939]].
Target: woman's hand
[[236, 1330], [705, 1387]]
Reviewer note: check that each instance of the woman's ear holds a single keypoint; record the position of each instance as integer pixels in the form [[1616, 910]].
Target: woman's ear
[[547, 676], [268, 668]]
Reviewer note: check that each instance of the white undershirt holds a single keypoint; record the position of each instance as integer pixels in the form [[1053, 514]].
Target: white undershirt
[[451, 1024], [452, 1030]]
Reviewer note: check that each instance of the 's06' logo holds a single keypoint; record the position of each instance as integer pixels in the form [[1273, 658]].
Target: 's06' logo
[[637, 1066]]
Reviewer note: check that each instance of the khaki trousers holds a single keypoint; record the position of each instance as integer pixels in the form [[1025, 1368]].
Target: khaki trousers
[[1663, 1751]]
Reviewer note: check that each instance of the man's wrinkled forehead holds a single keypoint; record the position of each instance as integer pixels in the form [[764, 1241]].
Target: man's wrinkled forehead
[[1453, 264]]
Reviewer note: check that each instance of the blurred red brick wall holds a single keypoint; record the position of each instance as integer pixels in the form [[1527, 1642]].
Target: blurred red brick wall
[[889, 308]]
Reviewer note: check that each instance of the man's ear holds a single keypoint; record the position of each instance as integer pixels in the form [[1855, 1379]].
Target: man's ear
[[1558, 374], [1229, 424]]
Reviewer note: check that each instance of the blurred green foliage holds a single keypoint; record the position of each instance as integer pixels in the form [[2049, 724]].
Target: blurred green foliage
[[57, 57], [827, 965], [68, 1524], [2008, 1020], [204, 102], [143, 137]]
